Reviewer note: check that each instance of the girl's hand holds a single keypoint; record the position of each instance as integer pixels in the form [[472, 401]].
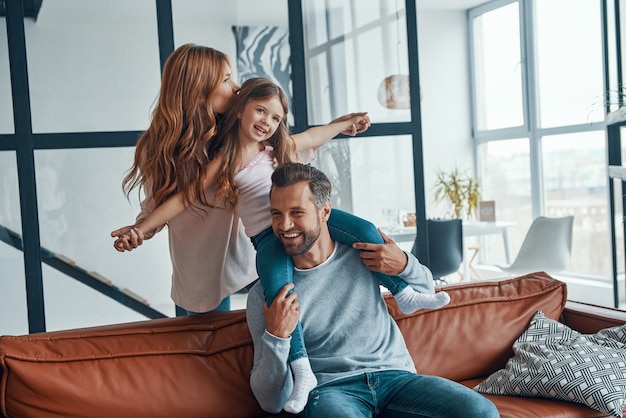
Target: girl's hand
[[361, 122]]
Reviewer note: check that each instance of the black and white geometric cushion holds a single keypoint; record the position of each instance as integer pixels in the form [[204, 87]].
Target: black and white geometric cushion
[[553, 361]]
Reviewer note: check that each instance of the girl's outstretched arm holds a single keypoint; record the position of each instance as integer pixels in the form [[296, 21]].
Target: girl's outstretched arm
[[175, 204], [315, 137]]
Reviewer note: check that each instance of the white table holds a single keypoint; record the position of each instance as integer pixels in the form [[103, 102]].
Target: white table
[[470, 229], [476, 229], [479, 229]]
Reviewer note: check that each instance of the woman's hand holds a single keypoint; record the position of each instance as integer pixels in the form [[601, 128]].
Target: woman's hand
[[129, 238]]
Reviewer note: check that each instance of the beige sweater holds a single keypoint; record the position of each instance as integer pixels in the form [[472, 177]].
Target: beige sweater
[[211, 256]]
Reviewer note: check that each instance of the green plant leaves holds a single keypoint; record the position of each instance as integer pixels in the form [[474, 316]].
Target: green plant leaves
[[459, 189]]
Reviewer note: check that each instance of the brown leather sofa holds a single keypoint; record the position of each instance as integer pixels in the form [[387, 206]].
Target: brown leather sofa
[[199, 366]]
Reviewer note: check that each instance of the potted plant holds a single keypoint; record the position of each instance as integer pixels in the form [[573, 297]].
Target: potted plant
[[460, 190]]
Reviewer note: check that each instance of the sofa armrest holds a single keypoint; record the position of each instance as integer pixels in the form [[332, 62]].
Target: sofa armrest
[[589, 319]]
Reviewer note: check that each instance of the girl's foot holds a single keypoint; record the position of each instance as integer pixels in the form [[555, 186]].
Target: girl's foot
[[304, 381], [410, 300]]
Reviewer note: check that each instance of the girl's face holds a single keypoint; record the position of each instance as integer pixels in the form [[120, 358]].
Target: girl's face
[[223, 95], [260, 119]]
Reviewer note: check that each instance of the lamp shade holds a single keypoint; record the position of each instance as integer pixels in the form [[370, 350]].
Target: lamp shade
[[394, 92]]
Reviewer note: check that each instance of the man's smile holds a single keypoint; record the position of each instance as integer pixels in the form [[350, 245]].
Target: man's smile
[[290, 235]]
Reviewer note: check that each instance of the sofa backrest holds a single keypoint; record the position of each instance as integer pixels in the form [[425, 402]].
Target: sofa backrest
[[473, 335], [195, 366]]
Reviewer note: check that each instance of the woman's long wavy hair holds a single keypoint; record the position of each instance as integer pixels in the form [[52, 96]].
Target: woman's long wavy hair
[[227, 141], [171, 154]]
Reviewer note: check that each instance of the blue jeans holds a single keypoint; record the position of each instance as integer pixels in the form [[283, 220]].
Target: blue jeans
[[275, 267], [224, 306], [397, 394]]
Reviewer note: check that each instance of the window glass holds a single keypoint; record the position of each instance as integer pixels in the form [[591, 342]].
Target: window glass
[[364, 13], [510, 189], [13, 310], [317, 27], [12, 278], [255, 36], [368, 179], [80, 202], [70, 304], [92, 66], [365, 60], [498, 68], [10, 203], [574, 170], [6, 104], [569, 88]]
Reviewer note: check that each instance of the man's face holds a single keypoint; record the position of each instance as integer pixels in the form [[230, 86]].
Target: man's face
[[295, 220]]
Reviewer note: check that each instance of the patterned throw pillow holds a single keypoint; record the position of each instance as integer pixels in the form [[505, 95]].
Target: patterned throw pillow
[[553, 361]]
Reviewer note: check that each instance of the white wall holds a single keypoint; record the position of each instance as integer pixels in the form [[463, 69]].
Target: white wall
[[444, 79]]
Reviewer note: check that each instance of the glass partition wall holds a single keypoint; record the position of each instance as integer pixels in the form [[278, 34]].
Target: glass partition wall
[[357, 60], [93, 74]]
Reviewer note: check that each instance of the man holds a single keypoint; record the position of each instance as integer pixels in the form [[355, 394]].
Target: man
[[356, 350]]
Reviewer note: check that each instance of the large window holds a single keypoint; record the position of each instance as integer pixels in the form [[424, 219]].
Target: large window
[[541, 149]]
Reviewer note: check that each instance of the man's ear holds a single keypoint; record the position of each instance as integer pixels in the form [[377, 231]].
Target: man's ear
[[326, 209]]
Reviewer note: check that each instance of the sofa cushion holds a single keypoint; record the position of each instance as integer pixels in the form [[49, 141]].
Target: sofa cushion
[[553, 361], [517, 407], [473, 335]]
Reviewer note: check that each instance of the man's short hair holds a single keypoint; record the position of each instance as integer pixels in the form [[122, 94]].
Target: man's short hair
[[291, 173]]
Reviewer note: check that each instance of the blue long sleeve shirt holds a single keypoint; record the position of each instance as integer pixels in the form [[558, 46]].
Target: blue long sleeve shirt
[[347, 328]]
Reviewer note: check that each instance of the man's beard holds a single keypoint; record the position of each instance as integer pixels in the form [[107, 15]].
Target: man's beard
[[307, 239]]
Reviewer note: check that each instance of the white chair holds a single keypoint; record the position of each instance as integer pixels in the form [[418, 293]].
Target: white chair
[[547, 247]]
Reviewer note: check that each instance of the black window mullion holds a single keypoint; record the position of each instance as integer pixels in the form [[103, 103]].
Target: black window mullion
[[165, 27], [298, 66], [25, 165], [422, 252]]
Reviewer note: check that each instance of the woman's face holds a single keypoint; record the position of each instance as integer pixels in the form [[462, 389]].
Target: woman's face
[[222, 96]]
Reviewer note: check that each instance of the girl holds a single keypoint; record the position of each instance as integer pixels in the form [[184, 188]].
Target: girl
[[254, 138]]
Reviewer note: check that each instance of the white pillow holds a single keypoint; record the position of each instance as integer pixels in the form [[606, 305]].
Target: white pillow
[[553, 361]]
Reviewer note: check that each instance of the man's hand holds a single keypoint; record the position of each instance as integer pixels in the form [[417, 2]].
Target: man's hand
[[385, 258], [282, 317]]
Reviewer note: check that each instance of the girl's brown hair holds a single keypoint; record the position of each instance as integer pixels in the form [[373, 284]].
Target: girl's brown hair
[[171, 154], [228, 144]]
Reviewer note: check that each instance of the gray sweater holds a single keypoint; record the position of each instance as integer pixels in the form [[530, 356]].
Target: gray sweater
[[347, 329]]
